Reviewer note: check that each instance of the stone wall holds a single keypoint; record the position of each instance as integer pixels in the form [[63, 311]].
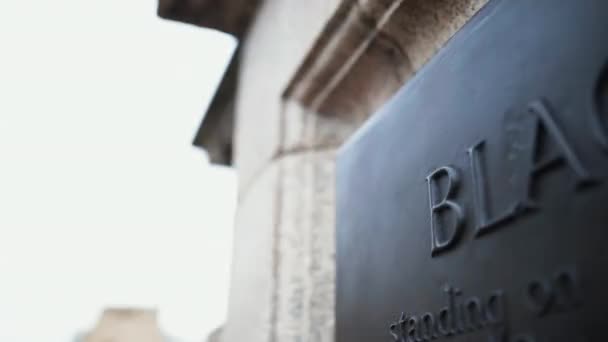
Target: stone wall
[[311, 72], [271, 272]]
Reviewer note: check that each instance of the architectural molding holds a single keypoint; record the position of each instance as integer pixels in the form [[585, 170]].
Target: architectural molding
[[369, 49]]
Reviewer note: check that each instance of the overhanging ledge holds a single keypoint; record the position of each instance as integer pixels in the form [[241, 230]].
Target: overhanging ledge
[[215, 133], [230, 16]]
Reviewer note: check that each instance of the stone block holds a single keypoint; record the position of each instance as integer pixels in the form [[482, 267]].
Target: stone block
[[306, 251], [277, 41], [283, 274], [251, 298]]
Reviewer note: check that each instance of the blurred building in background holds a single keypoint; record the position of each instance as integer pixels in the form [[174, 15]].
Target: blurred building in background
[[126, 325], [305, 76]]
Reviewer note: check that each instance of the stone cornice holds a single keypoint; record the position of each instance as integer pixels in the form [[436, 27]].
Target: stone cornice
[[370, 48], [346, 37]]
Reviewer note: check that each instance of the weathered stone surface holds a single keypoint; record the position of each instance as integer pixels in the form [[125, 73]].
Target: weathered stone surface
[[367, 52], [251, 302], [359, 95], [304, 129], [346, 37], [277, 42], [306, 252], [422, 27], [284, 261]]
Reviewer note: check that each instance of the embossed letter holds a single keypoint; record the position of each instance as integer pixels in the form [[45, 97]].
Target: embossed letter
[[599, 114], [484, 223], [399, 334], [473, 314], [546, 121], [411, 333], [452, 315], [496, 317], [427, 327], [441, 237]]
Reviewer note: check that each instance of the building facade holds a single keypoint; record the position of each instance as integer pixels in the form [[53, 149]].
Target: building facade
[[305, 76]]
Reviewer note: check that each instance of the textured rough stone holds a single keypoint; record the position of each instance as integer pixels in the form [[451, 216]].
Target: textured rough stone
[[306, 251], [345, 38], [284, 262], [276, 43], [359, 95], [302, 128], [369, 50]]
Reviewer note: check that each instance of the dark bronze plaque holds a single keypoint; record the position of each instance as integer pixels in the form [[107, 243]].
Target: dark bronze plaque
[[474, 205]]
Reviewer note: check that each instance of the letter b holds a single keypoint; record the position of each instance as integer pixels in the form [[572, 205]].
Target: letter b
[[442, 235]]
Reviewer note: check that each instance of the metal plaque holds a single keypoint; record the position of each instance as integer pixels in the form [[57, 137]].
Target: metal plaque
[[474, 205]]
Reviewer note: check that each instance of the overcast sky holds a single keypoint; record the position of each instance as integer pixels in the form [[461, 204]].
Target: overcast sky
[[103, 200]]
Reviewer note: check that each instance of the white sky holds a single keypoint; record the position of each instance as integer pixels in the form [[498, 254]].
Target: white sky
[[103, 200]]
